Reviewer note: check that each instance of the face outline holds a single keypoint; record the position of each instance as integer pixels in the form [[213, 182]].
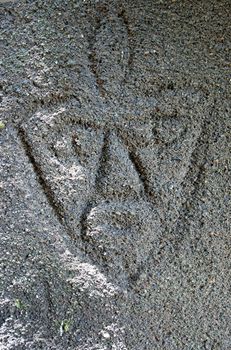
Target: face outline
[[97, 171]]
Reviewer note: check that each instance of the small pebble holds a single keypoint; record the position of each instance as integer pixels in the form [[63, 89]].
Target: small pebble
[[2, 125], [105, 335]]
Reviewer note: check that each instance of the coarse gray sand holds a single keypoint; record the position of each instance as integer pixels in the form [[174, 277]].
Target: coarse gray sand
[[115, 175]]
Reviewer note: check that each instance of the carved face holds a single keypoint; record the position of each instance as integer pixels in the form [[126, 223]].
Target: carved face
[[109, 181]]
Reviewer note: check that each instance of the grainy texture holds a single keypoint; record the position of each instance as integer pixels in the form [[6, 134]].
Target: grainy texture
[[115, 175]]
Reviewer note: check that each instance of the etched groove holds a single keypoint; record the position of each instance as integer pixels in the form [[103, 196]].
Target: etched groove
[[56, 208], [140, 170], [104, 156], [93, 54], [142, 176], [83, 220], [99, 175], [55, 98], [122, 14], [48, 297]]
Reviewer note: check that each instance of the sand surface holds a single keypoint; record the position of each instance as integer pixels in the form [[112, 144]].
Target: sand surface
[[115, 175]]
